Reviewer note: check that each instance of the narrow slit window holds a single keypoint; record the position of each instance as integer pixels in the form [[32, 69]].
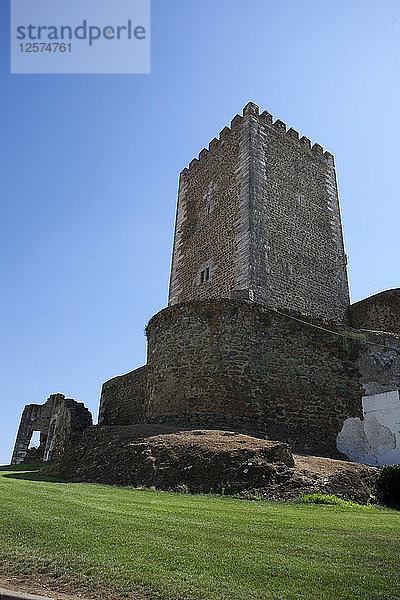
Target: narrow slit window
[[202, 277], [207, 273]]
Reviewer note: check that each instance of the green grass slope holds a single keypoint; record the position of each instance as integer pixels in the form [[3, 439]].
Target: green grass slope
[[197, 547]]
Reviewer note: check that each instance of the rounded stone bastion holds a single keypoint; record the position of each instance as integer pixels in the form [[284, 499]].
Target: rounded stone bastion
[[236, 364]]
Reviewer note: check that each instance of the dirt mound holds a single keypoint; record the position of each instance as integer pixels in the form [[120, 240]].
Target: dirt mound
[[210, 461], [314, 474]]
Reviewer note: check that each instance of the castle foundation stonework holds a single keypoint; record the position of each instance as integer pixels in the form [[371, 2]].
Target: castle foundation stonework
[[225, 363], [236, 364]]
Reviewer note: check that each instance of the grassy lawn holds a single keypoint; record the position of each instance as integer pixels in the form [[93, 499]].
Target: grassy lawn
[[197, 547]]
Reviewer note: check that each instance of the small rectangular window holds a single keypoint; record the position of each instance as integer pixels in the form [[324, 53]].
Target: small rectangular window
[[207, 273], [202, 277], [301, 200]]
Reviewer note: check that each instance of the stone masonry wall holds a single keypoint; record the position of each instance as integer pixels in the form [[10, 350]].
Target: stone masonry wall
[[258, 212], [380, 312], [35, 417], [225, 363], [206, 221], [123, 398], [297, 255], [60, 421], [379, 362], [67, 422]]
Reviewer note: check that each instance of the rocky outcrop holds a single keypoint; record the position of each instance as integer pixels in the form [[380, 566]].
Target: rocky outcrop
[[210, 461]]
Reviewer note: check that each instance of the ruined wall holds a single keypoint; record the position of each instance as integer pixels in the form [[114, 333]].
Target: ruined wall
[[380, 312], [60, 421], [123, 398], [67, 422], [35, 417], [231, 363], [259, 212]]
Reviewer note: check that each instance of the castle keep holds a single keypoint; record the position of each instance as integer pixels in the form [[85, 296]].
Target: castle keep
[[258, 334], [258, 218]]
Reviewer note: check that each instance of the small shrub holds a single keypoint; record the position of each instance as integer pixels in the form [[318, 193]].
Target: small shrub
[[389, 480], [330, 499]]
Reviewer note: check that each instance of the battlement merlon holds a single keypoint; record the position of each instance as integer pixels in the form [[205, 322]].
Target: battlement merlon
[[265, 118]]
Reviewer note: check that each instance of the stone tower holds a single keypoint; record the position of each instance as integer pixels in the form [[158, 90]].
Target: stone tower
[[258, 218]]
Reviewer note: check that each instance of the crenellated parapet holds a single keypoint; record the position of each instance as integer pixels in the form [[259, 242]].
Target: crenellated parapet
[[264, 119]]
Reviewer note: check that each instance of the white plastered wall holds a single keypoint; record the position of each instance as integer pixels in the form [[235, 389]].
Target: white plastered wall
[[375, 440]]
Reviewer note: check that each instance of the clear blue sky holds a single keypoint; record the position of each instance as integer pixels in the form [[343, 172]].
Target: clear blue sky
[[90, 169]]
